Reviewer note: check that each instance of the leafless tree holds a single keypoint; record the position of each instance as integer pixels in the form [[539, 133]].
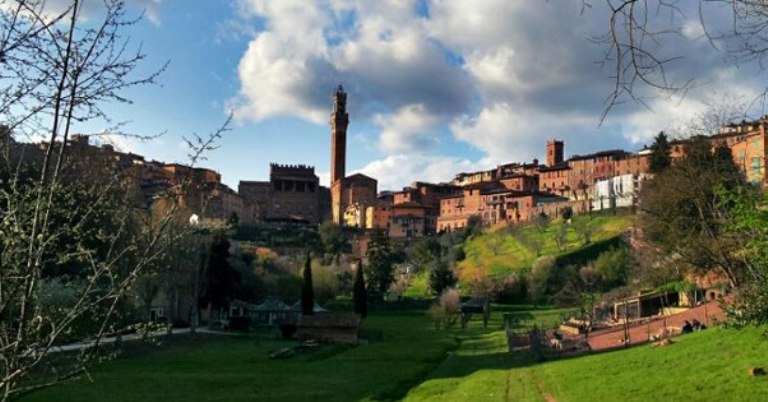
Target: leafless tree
[[637, 30], [67, 215]]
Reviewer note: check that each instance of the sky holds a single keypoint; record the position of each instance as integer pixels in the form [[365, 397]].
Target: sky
[[435, 87]]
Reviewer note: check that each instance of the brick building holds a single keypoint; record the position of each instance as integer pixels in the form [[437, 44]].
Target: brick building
[[357, 191], [293, 193]]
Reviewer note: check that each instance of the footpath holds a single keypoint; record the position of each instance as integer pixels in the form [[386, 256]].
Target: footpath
[[132, 337]]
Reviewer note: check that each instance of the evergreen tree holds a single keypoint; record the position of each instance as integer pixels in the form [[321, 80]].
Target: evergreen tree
[[221, 280], [441, 277], [307, 291], [660, 159], [380, 262], [359, 294]]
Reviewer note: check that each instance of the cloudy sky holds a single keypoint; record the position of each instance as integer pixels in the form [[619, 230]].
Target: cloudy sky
[[435, 87]]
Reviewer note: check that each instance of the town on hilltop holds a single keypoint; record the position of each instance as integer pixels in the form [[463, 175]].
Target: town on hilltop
[[515, 192]]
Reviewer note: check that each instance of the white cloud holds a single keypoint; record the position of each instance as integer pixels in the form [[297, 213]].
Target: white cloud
[[399, 170], [409, 128], [93, 8], [501, 76]]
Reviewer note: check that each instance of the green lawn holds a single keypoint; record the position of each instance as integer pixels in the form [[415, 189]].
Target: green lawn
[[501, 252], [404, 349], [707, 366], [408, 359]]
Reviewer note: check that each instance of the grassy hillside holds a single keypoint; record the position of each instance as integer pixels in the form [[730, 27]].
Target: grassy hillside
[[707, 366], [501, 251]]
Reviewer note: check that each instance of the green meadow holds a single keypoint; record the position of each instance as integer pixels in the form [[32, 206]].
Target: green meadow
[[406, 358]]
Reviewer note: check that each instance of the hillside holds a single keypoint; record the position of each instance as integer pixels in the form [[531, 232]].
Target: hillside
[[711, 365], [504, 250]]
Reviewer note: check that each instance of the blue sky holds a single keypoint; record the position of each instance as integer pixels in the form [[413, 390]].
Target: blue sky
[[435, 87]]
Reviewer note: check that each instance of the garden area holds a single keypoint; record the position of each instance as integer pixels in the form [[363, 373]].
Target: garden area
[[405, 357]]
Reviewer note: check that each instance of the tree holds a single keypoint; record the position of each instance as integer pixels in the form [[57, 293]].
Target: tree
[[542, 222], [441, 277], [359, 294], [540, 279], [307, 291], [681, 214], [221, 280], [424, 252], [67, 213], [474, 226], [638, 43], [567, 213], [380, 262], [333, 239], [660, 157], [747, 229], [613, 267]]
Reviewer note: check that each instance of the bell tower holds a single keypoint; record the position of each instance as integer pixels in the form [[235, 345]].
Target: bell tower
[[339, 123]]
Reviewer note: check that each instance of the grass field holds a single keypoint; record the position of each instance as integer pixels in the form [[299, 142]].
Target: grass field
[[499, 252], [707, 366], [408, 359]]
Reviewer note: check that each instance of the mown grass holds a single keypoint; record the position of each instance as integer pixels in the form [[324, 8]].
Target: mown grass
[[707, 366], [502, 251], [411, 360], [224, 368]]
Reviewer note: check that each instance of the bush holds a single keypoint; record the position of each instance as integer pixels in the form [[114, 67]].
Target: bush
[[446, 309], [513, 289]]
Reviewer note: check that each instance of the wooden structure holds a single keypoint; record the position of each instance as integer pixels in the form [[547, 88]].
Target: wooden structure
[[329, 327], [475, 305]]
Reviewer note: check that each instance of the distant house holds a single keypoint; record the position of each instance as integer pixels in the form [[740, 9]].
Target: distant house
[[271, 312], [329, 327], [315, 309]]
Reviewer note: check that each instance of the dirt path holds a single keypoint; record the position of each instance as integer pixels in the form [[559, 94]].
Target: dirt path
[[611, 338]]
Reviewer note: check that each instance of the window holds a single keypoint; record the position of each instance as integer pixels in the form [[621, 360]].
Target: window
[[756, 166]]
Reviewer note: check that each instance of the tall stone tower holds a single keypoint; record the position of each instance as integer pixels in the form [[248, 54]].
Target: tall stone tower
[[554, 152], [339, 123]]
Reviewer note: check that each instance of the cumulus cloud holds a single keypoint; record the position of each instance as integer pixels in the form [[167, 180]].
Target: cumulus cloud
[[399, 170], [500, 76]]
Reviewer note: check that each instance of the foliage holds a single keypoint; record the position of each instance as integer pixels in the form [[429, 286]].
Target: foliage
[[566, 213], [424, 252], [682, 215], [748, 228], [359, 294], [660, 153], [513, 288], [307, 290], [441, 277], [613, 267], [474, 226], [221, 280], [446, 309], [334, 240], [380, 262], [547, 278], [70, 215]]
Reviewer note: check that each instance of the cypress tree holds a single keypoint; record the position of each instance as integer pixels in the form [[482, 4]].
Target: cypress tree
[[660, 158], [307, 291], [359, 295]]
